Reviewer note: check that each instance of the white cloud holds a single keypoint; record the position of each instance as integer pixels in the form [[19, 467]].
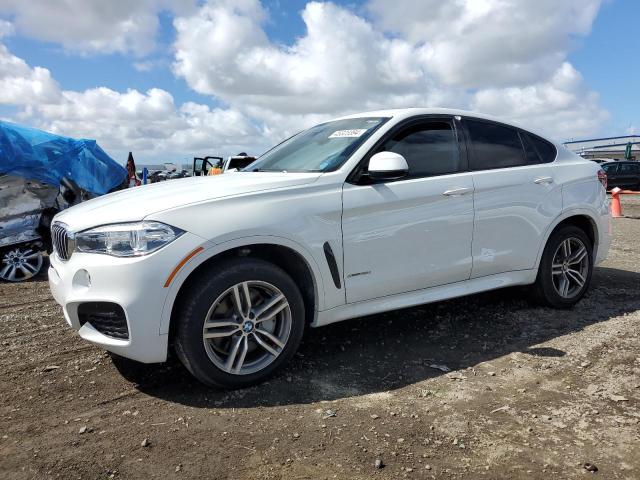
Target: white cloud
[[561, 107], [341, 63], [93, 26], [489, 43], [149, 65], [504, 57], [22, 85], [495, 55], [6, 28], [148, 123]]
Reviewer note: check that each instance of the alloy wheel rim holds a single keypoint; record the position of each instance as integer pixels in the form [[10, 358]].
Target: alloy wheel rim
[[247, 327], [20, 264], [570, 267]]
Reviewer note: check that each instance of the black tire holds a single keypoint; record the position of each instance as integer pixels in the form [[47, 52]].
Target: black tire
[[544, 291], [203, 292]]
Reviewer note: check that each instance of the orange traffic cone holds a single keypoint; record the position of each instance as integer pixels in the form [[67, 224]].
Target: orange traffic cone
[[616, 208]]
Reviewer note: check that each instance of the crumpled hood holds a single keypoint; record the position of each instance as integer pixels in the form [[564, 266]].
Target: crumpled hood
[[136, 203]]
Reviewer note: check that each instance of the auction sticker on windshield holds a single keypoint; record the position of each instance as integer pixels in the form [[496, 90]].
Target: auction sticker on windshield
[[354, 133]]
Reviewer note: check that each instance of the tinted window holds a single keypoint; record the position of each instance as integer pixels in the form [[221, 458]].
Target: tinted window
[[546, 150], [494, 145], [240, 163], [530, 151], [629, 168], [429, 148], [609, 167]]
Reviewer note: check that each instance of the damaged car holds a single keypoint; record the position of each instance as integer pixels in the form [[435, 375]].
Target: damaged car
[[42, 174]]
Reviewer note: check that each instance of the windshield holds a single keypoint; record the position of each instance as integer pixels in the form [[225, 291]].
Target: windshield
[[322, 148]]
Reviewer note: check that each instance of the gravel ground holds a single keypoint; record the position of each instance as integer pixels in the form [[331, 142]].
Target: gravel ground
[[528, 393]]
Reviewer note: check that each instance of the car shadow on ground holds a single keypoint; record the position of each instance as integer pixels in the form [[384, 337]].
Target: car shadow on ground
[[393, 350]]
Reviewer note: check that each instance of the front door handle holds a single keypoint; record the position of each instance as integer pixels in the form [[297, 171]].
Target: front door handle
[[543, 180], [457, 191]]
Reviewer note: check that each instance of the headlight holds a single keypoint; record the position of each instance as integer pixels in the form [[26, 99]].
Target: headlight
[[126, 239]]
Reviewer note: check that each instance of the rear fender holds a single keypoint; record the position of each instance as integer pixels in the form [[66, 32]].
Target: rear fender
[[591, 214]]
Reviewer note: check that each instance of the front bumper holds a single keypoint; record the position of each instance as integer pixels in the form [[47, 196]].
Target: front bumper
[[136, 284]]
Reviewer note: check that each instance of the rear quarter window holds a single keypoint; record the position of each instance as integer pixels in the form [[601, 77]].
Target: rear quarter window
[[538, 148]]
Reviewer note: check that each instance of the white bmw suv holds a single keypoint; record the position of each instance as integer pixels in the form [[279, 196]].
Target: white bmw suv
[[363, 214]]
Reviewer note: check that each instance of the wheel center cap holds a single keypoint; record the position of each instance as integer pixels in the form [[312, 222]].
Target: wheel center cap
[[247, 327]]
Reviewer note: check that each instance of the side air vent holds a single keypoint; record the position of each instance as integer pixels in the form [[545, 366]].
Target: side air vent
[[333, 266]]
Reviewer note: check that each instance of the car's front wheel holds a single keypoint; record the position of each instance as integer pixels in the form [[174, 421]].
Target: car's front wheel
[[565, 268], [239, 323]]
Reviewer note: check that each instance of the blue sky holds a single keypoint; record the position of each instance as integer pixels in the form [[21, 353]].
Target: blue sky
[[588, 87], [117, 71], [608, 60]]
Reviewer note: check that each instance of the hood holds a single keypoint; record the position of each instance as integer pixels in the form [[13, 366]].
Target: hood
[[134, 204]]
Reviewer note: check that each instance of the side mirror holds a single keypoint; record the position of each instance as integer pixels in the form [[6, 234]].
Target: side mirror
[[387, 166]]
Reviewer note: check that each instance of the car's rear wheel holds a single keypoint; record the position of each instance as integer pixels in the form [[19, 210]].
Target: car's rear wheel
[[239, 323], [565, 268]]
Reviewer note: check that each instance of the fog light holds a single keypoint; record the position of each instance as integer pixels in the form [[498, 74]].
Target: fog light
[[82, 279]]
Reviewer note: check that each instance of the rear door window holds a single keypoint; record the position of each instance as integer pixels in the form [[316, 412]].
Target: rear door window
[[494, 145], [610, 168]]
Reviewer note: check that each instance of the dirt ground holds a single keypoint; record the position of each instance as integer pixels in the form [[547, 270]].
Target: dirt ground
[[531, 393]]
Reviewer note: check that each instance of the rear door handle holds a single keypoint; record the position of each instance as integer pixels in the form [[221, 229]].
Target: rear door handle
[[457, 191], [543, 180]]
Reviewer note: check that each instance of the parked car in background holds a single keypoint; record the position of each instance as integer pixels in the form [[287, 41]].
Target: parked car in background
[[360, 215], [203, 166], [623, 174], [177, 174], [237, 163], [42, 173]]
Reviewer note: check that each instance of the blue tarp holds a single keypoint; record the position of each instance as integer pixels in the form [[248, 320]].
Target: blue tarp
[[38, 155]]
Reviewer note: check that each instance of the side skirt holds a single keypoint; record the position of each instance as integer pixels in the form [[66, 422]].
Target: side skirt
[[427, 295]]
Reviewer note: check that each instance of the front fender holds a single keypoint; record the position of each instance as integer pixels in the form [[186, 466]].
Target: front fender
[[210, 250]]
